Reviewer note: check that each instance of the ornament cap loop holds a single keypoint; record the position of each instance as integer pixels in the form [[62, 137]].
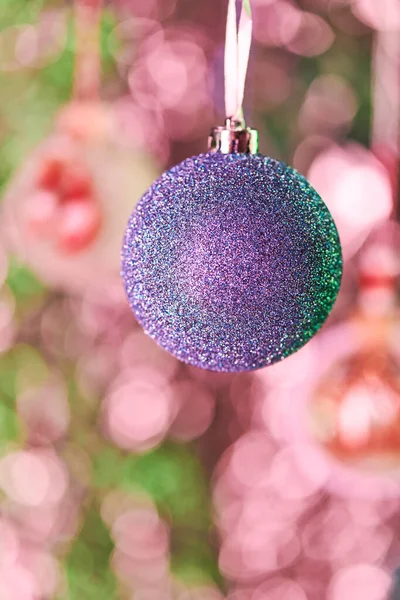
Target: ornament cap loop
[[233, 138]]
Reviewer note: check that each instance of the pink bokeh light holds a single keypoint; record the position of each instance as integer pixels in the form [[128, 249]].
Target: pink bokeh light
[[276, 23], [384, 15], [33, 478], [140, 350], [141, 534], [34, 46], [17, 583], [356, 188], [26, 570], [196, 410], [372, 582], [283, 23], [313, 37], [329, 106], [171, 77], [44, 412], [275, 84], [139, 410]]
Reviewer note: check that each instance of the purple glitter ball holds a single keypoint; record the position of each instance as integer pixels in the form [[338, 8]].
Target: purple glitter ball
[[231, 262]]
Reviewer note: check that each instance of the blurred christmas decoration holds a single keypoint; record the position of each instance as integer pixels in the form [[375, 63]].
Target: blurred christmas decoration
[[356, 407], [66, 209]]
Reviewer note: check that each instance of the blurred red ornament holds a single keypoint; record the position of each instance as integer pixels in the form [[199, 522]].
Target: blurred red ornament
[[355, 407], [66, 209], [356, 410]]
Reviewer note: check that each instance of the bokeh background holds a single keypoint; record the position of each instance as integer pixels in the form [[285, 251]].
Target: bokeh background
[[125, 474]]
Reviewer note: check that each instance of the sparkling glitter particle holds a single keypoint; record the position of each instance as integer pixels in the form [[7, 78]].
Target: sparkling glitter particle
[[231, 262]]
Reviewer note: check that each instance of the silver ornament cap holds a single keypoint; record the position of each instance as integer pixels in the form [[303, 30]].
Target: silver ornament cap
[[233, 138]]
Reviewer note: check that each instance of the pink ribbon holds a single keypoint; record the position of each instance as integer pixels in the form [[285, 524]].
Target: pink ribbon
[[237, 53]]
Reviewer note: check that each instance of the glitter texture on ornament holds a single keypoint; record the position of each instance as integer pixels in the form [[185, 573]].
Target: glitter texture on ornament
[[231, 262]]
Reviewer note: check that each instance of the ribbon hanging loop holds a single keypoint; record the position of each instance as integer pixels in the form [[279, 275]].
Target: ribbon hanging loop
[[237, 53]]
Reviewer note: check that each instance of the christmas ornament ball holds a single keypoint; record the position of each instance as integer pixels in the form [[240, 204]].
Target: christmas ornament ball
[[231, 262]]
